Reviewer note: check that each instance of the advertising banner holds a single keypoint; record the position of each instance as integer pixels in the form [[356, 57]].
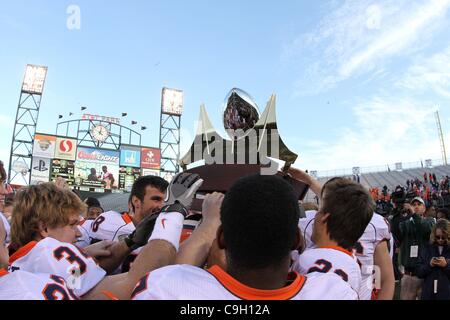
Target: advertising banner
[[127, 176], [150, 158], [66, 149], [97, 168], [150, 172], [40, 170], [64, 169], [130, 157], [44, 146]]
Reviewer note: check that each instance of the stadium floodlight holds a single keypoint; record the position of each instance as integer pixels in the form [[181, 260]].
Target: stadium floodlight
[[172, 101], [34, 79]]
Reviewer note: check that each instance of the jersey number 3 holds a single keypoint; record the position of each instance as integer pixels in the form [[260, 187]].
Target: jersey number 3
[[71, 257]]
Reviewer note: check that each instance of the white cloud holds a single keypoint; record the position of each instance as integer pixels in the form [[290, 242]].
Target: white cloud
[[360, 37], [385, 131], [429, 73]]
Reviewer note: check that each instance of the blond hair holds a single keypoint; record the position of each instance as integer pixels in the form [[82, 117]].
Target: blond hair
[[443, 225], [42, 204]]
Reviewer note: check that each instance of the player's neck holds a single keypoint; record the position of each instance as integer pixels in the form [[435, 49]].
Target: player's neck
[[325, 241], [269, 278]]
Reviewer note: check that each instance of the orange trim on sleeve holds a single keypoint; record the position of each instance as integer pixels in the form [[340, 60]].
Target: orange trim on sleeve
[[81, 222], [3, 272], [22, 251], [247, 293], [338, 249], [126, 218]]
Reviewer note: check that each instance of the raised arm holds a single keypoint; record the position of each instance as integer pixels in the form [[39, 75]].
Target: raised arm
[[195, 249], [300, 175]]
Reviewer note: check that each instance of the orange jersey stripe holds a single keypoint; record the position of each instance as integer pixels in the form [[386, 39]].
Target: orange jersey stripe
[[22, 251], [244, 292]]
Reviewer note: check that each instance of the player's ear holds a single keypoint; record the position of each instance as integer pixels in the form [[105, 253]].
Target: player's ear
[[43, 231], [323, 218], [220, 239], [136, 202]]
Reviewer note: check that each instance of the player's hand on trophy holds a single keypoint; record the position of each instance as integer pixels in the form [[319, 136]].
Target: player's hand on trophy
[[180, 192], [61, 183], [211, 208], [300, 175]]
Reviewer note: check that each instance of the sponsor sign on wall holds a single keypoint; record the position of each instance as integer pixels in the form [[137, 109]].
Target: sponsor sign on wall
[[40, 170], [130, 157], [66, 149], [44, 146], [150, 158], [150, 172]]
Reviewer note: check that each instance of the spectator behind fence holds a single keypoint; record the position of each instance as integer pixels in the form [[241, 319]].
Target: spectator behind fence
[[413, 235], [434, 264]]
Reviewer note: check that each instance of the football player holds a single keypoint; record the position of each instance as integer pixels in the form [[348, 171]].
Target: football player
[[371, 249], [146, 198]]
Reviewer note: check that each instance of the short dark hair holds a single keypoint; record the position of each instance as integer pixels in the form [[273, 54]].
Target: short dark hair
[[259, 217], [351, 208], [139, 186], [445, 211], [92, 202]]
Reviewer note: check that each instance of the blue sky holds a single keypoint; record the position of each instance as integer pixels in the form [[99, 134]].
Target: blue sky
[[357, 82]]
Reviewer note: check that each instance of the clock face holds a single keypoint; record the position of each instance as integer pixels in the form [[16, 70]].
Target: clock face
[[99, 133]]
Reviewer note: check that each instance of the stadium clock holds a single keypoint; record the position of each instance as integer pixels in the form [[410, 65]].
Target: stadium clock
[[99, 133]]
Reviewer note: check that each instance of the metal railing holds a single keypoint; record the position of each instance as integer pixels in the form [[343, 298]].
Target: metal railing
[[384, 168]]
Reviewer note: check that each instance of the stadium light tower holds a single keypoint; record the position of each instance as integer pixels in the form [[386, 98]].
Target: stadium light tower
[[25, 124], [441, 138], [169, 130]]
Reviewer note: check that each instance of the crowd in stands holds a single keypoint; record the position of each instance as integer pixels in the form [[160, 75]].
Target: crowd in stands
[[434, 191]]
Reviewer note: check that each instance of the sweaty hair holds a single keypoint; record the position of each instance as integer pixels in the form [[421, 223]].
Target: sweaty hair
[[259, 217], [351, 208], [139, 186], [43, 203]]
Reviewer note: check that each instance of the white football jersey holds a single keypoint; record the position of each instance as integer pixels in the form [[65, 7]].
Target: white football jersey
[[62, 259], [22, 285], [376, 231], [185, 282], [330, 259], [111, 225], [7, 227], [84, 227]]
